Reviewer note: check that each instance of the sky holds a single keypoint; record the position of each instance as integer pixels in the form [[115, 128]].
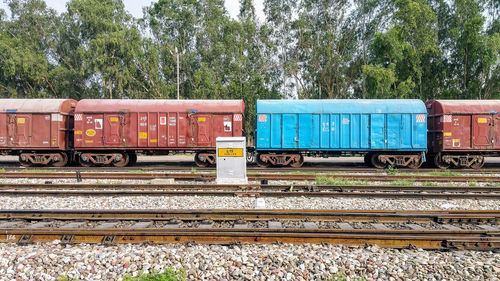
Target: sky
[[135, 6]]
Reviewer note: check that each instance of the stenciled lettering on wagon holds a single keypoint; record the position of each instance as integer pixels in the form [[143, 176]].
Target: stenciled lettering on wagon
[[172, 121], [152, 127], [346, 121], [325, 126]]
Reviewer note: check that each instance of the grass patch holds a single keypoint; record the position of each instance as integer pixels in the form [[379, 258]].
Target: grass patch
[[402, 182], [168, 275], [2, 170], [472, 183], [37, 171], [391, 171], [429, 183], [325, 180], [445, 173]]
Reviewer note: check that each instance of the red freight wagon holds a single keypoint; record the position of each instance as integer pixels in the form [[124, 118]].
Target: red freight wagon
[[462, 132], [114, 131], [38, 130]]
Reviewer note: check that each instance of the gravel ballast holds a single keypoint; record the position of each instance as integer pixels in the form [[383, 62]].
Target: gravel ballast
[[208, 202], [47, 261]]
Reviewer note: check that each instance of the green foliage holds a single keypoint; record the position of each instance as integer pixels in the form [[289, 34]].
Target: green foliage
[[391, 171], [339, 276], [169, 274], [429, 183], [445, 173], [401, 183], [326, 180]]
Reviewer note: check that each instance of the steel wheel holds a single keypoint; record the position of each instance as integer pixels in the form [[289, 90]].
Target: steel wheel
[[24, 163], [123, 160], [84, 163], [63, 160], [298, 164], [478, 164], [376, 163], [261, 163], [200, 162], [439, 162], [416, 165]]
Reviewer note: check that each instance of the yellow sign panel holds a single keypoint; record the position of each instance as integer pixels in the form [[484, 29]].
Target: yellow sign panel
[[153, 140], [202, 119], [143, 135], [78, 132], [482, 120], [447, 134], [90, 132], [21, 120], [89, 141], [230, 152], [113, 119]]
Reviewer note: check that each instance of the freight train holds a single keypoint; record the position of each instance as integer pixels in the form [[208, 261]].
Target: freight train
[[400, 133]]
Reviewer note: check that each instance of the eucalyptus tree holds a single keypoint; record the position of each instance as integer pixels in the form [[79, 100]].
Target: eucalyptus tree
[[474, 50], [401, 57], [27, 49], [280, 16]]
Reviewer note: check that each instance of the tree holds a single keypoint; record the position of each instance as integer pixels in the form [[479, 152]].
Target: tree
[[101, 47], [26, 48], [408, 50]]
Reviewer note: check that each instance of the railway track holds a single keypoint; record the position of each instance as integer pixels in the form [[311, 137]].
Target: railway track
[[189, 167], [476, 230], [252, 177], [258, 190]]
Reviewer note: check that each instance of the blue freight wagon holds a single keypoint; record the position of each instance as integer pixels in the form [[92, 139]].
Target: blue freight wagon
[[386, 132]]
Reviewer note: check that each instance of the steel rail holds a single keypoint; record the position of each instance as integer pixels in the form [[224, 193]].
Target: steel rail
[[324, 194], [337, 167], [487, 239], [436, 240], [253, 177], [252, 214], [248, 187]]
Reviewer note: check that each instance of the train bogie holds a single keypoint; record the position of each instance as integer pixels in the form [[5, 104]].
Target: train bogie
[[388, 132]]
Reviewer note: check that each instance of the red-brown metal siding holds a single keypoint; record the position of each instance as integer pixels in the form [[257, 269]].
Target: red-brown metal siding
[[463, 125], [35, 124], [156, 124]]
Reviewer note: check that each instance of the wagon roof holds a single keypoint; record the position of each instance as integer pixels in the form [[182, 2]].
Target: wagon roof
[[463, 106], [37, 105], [108, 105], [341, 106]]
